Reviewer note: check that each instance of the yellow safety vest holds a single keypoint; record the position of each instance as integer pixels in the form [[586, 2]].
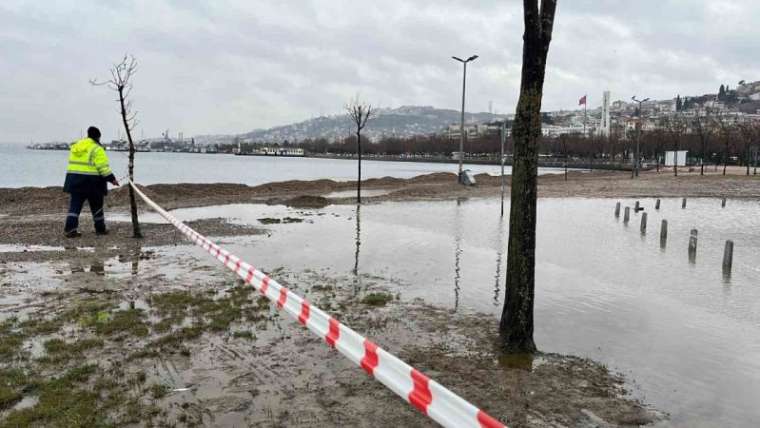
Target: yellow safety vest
[[87, 157]]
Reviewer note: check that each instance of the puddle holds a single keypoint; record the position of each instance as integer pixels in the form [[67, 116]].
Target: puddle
[[352, 193], [27, 402], [685, 334], [19, 248]]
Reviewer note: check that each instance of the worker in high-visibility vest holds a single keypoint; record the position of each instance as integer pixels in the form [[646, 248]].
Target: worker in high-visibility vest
[[86, 180]]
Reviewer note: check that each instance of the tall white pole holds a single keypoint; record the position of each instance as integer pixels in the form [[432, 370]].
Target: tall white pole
[[461, 124]]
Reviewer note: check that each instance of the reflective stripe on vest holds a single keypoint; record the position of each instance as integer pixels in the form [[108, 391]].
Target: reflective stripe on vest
[[87, 157]]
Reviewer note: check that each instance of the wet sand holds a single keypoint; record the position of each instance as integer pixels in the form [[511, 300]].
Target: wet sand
[[126, 331], [131, 339], [51, 200]]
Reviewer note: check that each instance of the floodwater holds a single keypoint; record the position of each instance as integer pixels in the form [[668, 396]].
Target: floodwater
[[686, 335], [23, 167]]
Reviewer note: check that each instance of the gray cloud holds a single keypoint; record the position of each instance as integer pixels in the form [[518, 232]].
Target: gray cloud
[[231, 66]]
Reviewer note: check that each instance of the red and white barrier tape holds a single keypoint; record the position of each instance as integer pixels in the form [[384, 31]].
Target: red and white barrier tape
[[426, 395]]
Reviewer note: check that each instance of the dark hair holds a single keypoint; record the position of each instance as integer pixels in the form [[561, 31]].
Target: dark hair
[[94, 133]]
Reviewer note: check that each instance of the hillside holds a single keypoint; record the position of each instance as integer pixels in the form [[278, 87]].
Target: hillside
[[405, 121]]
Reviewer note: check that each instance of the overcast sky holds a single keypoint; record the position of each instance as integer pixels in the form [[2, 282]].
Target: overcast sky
[[229, 66]]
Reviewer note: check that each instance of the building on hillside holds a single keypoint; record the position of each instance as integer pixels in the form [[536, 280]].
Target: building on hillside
[[473, 130]]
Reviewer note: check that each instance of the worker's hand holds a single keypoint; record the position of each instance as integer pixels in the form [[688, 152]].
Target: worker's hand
[[115, 182]]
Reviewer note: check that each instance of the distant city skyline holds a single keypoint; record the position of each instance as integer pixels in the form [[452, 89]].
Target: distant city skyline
[[213, 68]]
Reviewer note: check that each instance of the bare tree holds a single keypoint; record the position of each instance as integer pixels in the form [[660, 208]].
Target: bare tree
[[121, 82], [748, 133], [702, 126], [725, 135], [675, 128], [360, 113], [516, 327]]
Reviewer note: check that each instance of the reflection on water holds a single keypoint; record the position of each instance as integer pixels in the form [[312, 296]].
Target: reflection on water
[[92, 263], [457, 250], [358, 238], [690, 340], [500, 244]]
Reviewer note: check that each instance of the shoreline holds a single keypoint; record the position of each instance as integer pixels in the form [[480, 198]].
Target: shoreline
[[553, 162], [436, 186]]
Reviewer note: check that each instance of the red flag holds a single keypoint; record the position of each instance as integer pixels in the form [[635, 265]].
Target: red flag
[[582, 101]]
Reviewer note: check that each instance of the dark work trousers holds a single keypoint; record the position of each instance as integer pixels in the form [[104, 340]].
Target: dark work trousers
[[75, 207]]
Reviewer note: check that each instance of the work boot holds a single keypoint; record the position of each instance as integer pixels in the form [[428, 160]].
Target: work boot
[[73, 234], [101, 232]]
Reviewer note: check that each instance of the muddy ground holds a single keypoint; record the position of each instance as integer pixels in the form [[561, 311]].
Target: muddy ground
[[152, 332], [133, 340]]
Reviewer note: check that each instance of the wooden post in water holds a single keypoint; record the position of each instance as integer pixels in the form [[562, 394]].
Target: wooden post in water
[[683, 203], [693, 246], [728, 257], [663, 233], [617, 210], [636, 207], [657, 205], [627, 215], [723, 203], [643, 227]]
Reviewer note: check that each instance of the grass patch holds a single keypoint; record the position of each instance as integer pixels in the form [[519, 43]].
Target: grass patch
[[167, 323], [35, 327], [143, 353], [377, 299], [59, 351], [10, 345], [246, 334], [11, 381], [221, 313], [87, 310], [10, 341], [8, 397], [62, 402], [175, 302], [174, 340], [129, 321], [158, 391], [7, 325]]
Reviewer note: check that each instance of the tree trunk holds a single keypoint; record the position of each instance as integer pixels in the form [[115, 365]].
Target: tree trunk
[[359, 152], [657, 160], [675, 162], [702, 166], [748, 158], [725, 159], [136, 233], [564, 147], [516, 327]]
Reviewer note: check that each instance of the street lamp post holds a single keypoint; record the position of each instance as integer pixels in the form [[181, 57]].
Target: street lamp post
[[461, 124], [637, 159]]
